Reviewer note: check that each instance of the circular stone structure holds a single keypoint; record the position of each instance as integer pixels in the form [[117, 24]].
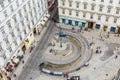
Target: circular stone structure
[[66, 54]]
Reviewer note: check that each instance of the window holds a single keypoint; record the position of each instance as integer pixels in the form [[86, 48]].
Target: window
[[28, 27], [5, 13], [101, 8], [111, 1], [63, 11], [1, 48], [109, 10], [70, 4], [115, 20], [34, 10], [85, 6], [15, 43], [12, 34], [77, 13], [23, 0], [20, 13], [22, 22], [70, 12], [8, 24], [2, 5], [84, 15], [91, 16], [4, 56], [9, 1], [25, 32], [107, 18], [31, 14], [27, 18], [17, 3], [6, 40], [10, 49], [77, 5], [14, 18], [119, 2], [102, 0], [25, 8], [38, 5], [92, 7], [32, 22], [29, 5], [63, 2], [99, 17], [18, 29], [3, 32], [11, 8], [117, 11], [20, 37]]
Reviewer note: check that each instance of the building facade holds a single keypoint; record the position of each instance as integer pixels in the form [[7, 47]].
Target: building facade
[[18, 19], [100, 14]]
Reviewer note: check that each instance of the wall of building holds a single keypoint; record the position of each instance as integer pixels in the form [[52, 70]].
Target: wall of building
[[83, 12], [18, 18]]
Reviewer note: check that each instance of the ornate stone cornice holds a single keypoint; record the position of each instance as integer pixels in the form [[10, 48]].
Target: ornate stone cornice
[[70, 0], [101, 5], [93, 4], [85, 2], [109, 6]]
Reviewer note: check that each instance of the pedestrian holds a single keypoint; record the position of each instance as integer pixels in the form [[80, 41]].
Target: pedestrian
[[23, 61], [66, 74], [14, 75], [116, 57]]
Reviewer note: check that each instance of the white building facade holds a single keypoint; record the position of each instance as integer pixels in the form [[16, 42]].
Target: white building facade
[[18, 18], [100, 14]]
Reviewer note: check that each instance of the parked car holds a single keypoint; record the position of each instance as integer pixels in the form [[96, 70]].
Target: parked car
[[86, 64], [75, 78]]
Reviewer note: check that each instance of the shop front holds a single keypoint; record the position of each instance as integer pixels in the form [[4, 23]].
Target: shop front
[[23, 47], [97, 26], [112, 29], [90, 24], [73, 21], [29, 40], [2, 75], [15, 60]]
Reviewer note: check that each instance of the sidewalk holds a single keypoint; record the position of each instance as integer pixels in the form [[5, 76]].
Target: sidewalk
[[27, 55]]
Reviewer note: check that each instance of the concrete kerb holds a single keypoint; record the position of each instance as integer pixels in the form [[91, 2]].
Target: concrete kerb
[[77, 59]]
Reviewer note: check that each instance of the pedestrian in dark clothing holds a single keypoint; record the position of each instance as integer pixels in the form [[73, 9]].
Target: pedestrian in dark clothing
[[23, 61], [116, 57]]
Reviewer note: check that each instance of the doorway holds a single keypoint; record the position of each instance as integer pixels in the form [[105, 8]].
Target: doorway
[[118, 30], [70, 22], [24, 48], [90, 25], [105, 28]]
